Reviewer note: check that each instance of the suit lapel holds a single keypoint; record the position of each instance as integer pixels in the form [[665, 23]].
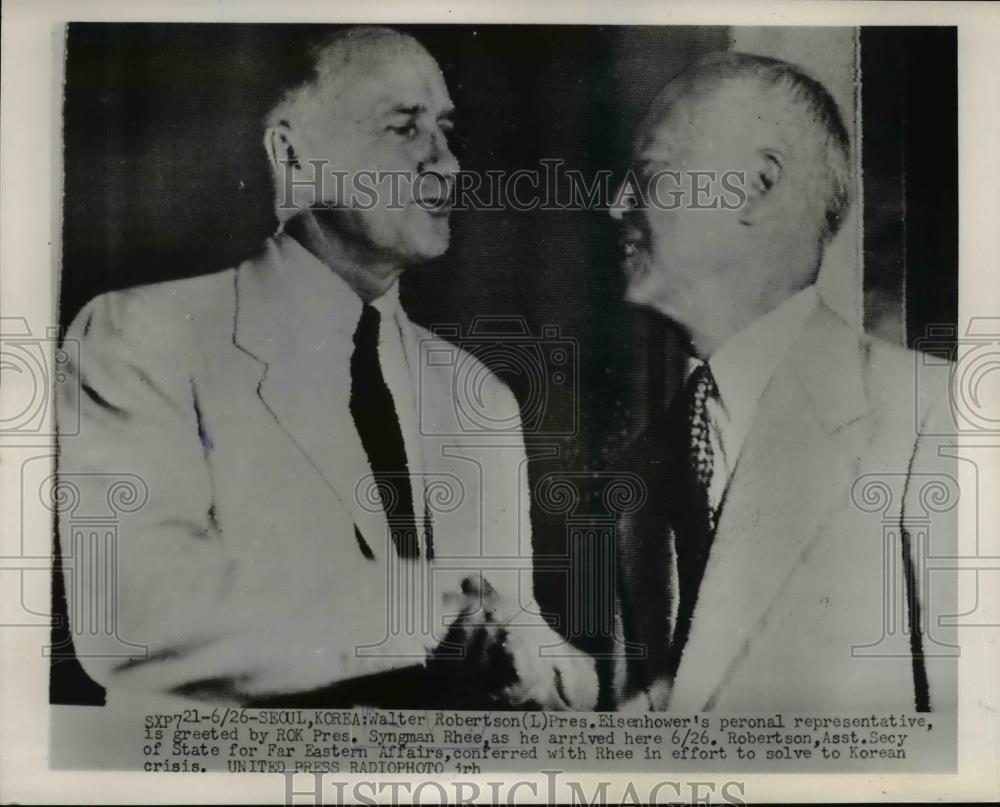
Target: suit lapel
[[799, 457], [286, 320]]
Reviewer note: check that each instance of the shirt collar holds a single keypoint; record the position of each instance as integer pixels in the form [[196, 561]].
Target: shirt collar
[[322, 286], [388, 304], [743, 366]]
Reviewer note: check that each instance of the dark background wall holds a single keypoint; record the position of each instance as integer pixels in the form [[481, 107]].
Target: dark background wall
[[910, 161], [165, 177]]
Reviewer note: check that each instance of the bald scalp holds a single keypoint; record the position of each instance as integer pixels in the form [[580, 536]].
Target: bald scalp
[[781, 107]]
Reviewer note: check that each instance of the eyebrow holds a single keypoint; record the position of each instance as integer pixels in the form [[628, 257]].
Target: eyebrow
[[416, 109], [402, 109]]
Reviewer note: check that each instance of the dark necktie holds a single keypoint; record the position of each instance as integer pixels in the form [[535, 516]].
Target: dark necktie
[[695, 527], [378, 426]]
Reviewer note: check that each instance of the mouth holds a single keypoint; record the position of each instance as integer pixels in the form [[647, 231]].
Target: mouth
[[439, 208], [632, 241], [437, 199]]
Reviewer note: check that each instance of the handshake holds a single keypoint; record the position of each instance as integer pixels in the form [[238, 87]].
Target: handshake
[[497, 655]]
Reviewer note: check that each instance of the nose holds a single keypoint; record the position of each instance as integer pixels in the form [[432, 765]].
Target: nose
[[439, 157]]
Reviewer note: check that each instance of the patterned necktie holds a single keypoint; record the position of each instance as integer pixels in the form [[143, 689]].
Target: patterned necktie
[[694, 521], [378, 427], [701, 385]]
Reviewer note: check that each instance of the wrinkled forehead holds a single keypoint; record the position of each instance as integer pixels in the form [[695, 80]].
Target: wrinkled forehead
[[368, 80]]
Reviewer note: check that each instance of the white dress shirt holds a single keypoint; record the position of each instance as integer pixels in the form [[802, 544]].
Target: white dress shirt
[[397, 350], [742, 369]]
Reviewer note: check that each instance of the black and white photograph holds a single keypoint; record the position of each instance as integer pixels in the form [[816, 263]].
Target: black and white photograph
[[443, 399]]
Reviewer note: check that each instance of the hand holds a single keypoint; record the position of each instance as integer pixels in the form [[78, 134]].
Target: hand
[[493, 658]]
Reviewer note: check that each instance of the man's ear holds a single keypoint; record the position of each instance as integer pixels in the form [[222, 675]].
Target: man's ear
[[279, 147], [764, 183]]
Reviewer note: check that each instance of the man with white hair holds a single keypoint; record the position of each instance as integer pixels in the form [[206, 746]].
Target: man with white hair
[[756, 579], [318, 520]]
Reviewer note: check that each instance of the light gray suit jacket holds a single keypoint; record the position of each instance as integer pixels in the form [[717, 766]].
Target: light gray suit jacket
[[221, 403], [838, 499]]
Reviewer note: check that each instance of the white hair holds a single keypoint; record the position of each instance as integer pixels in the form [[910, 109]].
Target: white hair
[[333, 61], [810, 113]]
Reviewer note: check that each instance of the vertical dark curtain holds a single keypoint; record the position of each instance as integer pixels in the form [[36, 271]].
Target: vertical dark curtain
[[910, 159]]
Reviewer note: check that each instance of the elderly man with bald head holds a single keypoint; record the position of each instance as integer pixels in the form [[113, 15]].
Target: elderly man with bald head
[[321, 527], [755, 579]]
